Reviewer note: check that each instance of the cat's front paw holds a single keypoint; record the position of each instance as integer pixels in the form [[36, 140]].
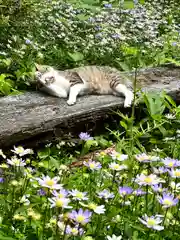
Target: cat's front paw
[[127, 103], [128, 100], [70, 102]]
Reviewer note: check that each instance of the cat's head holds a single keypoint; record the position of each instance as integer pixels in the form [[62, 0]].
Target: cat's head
[[47, 78], [44, 75]]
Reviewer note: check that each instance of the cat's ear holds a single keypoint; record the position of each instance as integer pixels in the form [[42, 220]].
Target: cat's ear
[[43, 68], [37, 66]]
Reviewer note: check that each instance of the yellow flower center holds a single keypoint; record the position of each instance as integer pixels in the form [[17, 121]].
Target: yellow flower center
[[61, 195], [177, 173], [49, 182], [74, 231], [168, 202], [59, 203], [102, 154], [92, 206], [16, 161], [171, 164], [80, 218], [79, 195], [20, 150], [116, 166], [92, 165], [151, 222], [148, 179]]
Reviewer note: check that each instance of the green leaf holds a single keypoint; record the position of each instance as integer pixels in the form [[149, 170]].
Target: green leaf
[[123, 124], [53, 162], [82, 17], [44, 153], [77, 56]]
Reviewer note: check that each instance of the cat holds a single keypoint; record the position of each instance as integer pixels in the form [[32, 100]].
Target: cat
[[84, 80]]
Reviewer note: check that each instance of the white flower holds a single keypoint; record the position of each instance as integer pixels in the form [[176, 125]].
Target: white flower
[[50, 183], [114, 237], [117, 167], [152, 222], [118, 156], [21, 151], [77, 195], [151, 179], [175, 173], [59, 202], [97, 209], [25, 200], [2, 154], [175, 186], [170, 116], [16, 162]]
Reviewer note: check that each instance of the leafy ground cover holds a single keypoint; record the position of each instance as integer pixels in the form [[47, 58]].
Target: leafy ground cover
[[94, 187]]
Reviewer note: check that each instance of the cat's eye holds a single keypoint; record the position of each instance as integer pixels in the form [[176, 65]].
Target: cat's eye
[[49, 80], [38, 74]]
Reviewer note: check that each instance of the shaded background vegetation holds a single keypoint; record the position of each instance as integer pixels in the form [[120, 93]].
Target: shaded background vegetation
[[72, 33]]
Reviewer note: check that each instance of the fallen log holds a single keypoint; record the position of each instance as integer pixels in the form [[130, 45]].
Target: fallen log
[[34, 117]]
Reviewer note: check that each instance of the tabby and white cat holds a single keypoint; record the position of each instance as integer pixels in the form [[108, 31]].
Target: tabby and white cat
[[84, 80]]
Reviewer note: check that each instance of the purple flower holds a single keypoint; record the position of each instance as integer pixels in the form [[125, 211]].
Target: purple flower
[[98, 28], [160, 170], [74, 231], [135, 1], [115, 36], [61, 194], [106, 194], [125, 190], [92, 165], [174, 44], [175, 173], [41, 192], [80, 217], [170, 162], [158, 188], [28, 41], [146, 158], [108, 5], [167, 200], [139, 192], [85, 136], [1, 180]]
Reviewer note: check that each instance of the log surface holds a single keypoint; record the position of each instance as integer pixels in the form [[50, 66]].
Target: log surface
[[36, 117]]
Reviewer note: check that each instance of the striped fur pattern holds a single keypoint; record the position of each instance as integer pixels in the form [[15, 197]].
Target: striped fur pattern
[[85, 80]]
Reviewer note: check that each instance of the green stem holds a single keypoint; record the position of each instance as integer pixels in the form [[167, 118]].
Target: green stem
[[45, 215], [165, 216], [133, 113], [146, 196]]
